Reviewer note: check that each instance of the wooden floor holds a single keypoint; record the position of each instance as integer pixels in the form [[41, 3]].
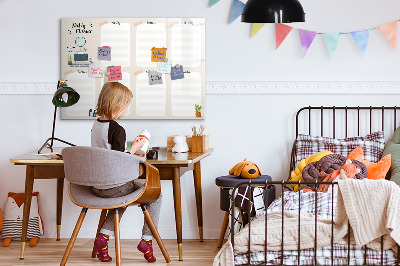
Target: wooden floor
[[50, 252]]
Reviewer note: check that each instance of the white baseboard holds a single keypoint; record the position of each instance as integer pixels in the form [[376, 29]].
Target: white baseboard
[[251, 87]]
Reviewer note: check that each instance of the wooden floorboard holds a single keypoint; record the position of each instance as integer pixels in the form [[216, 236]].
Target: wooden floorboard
[[50, 252]]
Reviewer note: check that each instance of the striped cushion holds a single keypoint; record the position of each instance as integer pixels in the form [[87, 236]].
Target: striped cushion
[[372, 145], [13, 228]]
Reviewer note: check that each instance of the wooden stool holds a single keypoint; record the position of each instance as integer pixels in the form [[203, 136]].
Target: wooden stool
[[226, 183]]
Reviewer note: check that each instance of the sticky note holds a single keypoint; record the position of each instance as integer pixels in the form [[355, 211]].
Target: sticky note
[[163, 67], [95, 71], [155, 78], [104, 53], [158, 54], [177, 72], [115, 73]]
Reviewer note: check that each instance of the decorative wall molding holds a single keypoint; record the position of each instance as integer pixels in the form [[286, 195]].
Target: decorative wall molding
[[304, 87], [28, 88], [251, 87]]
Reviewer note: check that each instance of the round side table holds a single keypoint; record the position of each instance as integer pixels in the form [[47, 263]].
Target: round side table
[[226, 183]]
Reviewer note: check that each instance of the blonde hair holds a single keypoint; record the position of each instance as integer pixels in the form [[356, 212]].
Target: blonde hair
[[113, 98]]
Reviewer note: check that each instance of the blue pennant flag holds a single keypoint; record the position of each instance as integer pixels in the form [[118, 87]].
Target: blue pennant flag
[[213, 2], [361, 37], [332, 41], [237, 9]]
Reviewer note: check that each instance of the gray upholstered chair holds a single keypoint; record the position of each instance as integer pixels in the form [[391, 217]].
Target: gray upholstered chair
[[85, 167]]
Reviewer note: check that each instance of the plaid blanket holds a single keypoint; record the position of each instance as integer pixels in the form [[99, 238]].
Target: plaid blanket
[[323, 205]]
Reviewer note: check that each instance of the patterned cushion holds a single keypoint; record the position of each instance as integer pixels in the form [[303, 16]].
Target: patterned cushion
[[372, 144]]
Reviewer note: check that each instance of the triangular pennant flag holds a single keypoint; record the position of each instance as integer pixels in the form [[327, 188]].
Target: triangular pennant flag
[[332, 41], [389, 30], [361, 37], [256, 28], [237, 9], [213, 2], [306, 39], [281, 31]]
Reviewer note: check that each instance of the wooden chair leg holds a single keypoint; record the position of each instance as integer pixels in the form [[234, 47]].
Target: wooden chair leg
[[223, 229], [73, 237], [117, 238], [154, 230], [101, 222]]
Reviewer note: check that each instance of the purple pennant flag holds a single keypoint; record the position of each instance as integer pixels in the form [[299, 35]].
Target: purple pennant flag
[[306, 39], [237, 9]]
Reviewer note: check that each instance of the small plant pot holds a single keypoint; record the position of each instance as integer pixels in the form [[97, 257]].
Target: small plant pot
[[198, 114]]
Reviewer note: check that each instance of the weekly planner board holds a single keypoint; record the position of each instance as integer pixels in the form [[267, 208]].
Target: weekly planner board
[[161, 60]]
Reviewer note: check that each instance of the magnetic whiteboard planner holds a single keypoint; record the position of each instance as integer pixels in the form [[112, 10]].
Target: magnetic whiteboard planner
[[139, 53]]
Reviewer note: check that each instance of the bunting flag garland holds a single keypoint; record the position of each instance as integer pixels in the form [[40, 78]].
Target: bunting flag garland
[[361, 37], [332, 41], [281, 31], [213, 2], [306, 39], [256, 27], [389, 30], [237, 9]]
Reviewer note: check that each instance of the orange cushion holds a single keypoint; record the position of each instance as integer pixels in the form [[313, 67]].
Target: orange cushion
[[375, 170]]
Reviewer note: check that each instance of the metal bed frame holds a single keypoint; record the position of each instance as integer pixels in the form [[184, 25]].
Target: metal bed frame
[[284, 183]]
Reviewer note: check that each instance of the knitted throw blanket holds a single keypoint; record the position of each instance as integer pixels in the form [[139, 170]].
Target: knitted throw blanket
[[371, 206], [373, 209]]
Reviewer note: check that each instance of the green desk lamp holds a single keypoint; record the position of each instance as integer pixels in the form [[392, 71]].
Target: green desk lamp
[[64, 97]]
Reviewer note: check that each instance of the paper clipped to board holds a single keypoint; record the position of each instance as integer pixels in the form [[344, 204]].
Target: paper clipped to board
[[104, 53], [155, 78], [95, 71], [158, 54], [115, 73]]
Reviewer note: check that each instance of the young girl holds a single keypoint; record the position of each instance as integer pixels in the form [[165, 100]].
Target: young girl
[[114, 100]]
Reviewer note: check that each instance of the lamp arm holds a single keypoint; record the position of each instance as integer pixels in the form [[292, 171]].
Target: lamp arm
[[54, 126]]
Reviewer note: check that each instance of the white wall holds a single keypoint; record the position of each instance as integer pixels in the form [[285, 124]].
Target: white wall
[[259, 127]]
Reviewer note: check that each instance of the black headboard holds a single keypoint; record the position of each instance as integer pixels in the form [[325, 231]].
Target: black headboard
[[343, 122]]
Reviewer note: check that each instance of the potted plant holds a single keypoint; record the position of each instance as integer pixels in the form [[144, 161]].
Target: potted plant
[[197, 108], [69, 59]]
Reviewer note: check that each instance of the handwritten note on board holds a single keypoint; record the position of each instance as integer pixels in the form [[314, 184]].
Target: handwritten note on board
[[104, 53], [95, 71], [155, 78], [158, 54], [177, 73], [115, 73], [164, 67]]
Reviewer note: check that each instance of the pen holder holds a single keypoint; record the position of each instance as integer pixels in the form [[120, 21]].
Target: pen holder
[[200, 143]]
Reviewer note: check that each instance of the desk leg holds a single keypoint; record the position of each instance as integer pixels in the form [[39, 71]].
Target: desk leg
[[199, 204], [60, 190], [27, 206], [176, 182]]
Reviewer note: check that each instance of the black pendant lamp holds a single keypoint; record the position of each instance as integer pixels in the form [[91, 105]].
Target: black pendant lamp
[[273, 11]]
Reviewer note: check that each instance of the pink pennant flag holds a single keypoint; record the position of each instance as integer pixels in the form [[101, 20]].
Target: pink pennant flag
[[281, 31], [389, 30], [306, 39]]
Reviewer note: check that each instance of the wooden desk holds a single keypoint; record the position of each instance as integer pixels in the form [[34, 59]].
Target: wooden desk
[[171, 167]]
